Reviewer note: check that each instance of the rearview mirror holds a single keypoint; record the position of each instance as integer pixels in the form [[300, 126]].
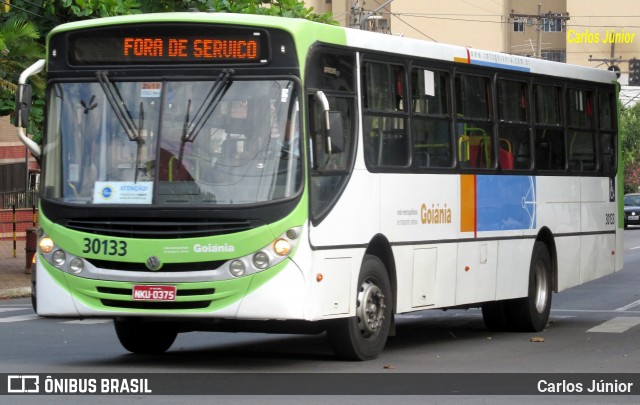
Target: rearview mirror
[[23, 106]]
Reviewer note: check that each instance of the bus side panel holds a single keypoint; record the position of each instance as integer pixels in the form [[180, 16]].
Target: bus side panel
[[339, 243], [597, 215], [332, 281], [417, 213], [558, 208], [568, 250], [476, 272], [354, 219], [512, 280]]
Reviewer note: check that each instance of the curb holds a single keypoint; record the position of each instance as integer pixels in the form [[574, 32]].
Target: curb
[[21, 292]]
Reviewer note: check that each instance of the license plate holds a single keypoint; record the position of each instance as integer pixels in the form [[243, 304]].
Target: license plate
[[154, 293], [633, 217]]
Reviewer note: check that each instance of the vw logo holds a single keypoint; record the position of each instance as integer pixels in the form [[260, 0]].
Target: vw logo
[[153, 263]]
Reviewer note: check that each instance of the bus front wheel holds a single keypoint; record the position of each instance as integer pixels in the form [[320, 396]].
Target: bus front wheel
[[363, 336], [145, 337]]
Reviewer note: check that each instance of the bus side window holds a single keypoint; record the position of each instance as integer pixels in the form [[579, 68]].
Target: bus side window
[[430, 130], [333, 72], [475, 128], [606, 124], [386, 138], [513, 125], [550, 144], [582, 156]]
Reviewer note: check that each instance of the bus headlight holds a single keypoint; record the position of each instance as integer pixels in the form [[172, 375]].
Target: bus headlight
[[46, 244], [58, 258], [274, 253], [76, 265], [261, 260], [237, 268]]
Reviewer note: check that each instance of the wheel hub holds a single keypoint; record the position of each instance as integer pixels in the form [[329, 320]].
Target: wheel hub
[[371, 307], [541, 283]]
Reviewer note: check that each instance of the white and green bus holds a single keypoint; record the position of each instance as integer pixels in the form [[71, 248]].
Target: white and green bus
[[206, 171]]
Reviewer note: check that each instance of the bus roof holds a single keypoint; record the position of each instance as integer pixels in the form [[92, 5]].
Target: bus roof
[[307, 32]]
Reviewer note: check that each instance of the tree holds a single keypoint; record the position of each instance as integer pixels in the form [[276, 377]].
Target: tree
[[629, 132], [19, 48]]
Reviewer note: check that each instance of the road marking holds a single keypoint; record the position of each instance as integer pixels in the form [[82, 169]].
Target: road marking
[[8, 309], [19, 318], [629, 306], [634, 248], [616, 325], [595, 311], [87, 321]]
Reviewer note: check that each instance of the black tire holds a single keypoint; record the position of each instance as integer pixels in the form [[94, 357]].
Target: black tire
[[34, 292], [495, 316], [531, 313], [145, 337], [363, 336]]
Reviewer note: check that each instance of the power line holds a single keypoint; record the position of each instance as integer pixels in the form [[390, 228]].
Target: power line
[[398, 17], [428, 16]]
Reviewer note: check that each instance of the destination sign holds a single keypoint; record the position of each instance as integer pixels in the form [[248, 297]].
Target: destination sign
[[168, 44]]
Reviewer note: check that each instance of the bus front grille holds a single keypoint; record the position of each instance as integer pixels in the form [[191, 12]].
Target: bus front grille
[[166, 268], [158, 228]]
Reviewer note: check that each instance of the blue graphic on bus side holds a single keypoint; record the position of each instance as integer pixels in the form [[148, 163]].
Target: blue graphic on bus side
[[505, 203]]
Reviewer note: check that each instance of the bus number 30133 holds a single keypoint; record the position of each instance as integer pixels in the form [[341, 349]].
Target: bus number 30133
[[106, 247]]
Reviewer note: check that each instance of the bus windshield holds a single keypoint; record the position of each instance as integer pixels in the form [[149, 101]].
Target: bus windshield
[[214, 142]]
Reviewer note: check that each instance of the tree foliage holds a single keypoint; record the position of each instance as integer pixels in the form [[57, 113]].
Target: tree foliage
[[629, 132]]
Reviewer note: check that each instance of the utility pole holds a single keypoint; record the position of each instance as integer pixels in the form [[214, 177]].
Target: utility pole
[[360, 15], [540, 20], [612, 62]]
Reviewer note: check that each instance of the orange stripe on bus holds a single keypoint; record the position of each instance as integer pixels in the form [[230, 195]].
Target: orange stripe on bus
[[467, 203]]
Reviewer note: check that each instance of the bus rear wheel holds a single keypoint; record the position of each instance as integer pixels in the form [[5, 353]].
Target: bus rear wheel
[[363, 336], [145, 337], [531, 313]]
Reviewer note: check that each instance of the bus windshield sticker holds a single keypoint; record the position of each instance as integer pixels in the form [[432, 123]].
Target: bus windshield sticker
[[151, 89], [123, 192]]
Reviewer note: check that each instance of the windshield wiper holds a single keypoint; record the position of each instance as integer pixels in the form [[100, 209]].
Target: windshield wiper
[[191, 129], [119, 107]]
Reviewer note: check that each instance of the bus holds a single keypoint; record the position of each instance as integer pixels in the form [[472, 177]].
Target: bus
[[220, 172]]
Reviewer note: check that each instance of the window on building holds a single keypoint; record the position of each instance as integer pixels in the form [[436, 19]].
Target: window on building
[[552, 25], [518, 26]]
